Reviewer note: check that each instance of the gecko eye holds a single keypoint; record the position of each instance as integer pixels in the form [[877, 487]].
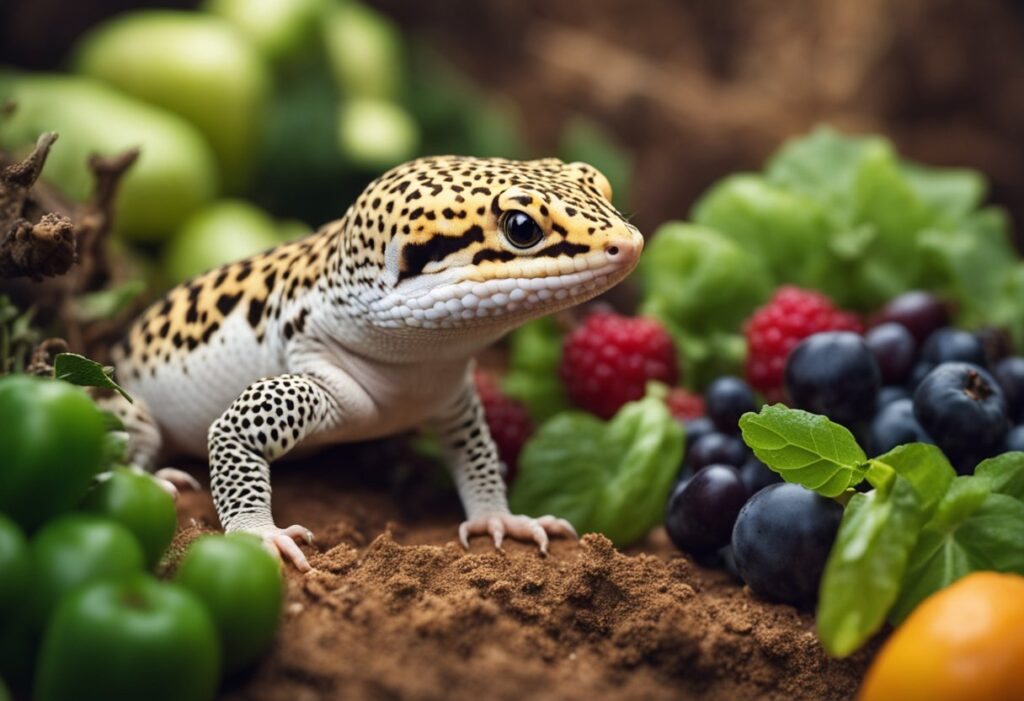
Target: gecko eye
[[520, 230]]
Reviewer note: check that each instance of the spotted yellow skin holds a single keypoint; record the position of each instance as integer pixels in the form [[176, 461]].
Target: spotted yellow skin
[[368, 327]]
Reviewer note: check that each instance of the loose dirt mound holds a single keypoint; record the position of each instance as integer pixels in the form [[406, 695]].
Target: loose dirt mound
[[396, 610]]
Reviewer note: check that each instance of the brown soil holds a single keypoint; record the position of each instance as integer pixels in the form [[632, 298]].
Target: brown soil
[[396, 610]]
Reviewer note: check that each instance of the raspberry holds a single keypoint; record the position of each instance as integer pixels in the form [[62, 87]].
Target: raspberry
[[684, 405], [609, 359], [508, 420], [775, 329]]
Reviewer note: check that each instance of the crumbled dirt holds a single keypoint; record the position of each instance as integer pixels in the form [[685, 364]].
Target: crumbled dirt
[[395, 609]]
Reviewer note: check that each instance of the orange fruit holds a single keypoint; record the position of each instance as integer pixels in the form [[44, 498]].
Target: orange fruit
[[963, 643]]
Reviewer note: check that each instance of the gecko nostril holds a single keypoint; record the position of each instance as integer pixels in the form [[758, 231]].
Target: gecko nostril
[[613, 251]]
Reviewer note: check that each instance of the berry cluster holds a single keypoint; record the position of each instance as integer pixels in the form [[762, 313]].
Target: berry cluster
[[775, 329], [728, 507]]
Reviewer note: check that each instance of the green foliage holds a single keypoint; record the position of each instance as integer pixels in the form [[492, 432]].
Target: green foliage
[[701, 285], [841, 214], [17, 337], [535, 350], [79, 370], [920, 529], [805, 448], [610, 477]]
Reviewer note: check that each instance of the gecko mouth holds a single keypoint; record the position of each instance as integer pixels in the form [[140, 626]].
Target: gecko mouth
[[504, 292]]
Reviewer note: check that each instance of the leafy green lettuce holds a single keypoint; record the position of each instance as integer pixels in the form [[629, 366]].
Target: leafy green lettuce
[[841, 214], [702, 285], [609, 477]]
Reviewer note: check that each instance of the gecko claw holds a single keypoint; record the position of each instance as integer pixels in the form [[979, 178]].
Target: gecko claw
[[282, 543], [179, 479], [522, 527]]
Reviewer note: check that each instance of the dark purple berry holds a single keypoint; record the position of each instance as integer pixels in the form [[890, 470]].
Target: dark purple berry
[[701, 512], [895, 350], [888, 395], [962, 408], [895, 425], [1009, 373], [756, 475], [717, 448], [920, 312], [1014, 439], [726, 400], [953, 346], [835, 374], [781, 540]]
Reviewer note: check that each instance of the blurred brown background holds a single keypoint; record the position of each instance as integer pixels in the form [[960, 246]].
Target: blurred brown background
[[699, 89]]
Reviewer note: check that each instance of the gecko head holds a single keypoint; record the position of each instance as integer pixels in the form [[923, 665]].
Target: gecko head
[[490, 243]]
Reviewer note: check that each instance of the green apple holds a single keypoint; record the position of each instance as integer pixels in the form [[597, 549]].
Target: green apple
[[226, 231], [279, 29], [363, 50], [241, 585], [198, 66], [376, 134], [129, 639], [175, 173]]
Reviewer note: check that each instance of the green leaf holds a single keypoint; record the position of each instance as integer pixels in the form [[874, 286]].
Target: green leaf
[[786, 230], [612, 478], [1003, 474], [805, 448], [106, 304], [866, 566], [973, 535], [924, 466], [955, 192], [535, 350], [112, 422], [115, 447], [79, 370], [699, 281]]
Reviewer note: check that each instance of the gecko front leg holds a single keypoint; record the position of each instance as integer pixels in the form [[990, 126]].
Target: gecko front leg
[[472, 458], [267, 420]]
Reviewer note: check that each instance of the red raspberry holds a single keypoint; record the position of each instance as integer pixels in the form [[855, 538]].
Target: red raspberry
[[508, 420], [775, 329], [609, 359], [684, 405]]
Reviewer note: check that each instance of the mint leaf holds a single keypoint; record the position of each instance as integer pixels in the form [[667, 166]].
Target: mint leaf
[[987, 537], [924, 466], [612, 478], [805, 448], [79, 370], [866, 566], [1003, 474]]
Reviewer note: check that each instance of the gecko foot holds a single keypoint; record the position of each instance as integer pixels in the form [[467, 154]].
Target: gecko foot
[[282, 543], [173, 481], [522, 527]]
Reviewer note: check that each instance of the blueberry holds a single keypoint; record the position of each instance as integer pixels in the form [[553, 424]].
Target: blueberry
[[727, 399], [781, 540], [997, 342], [888, 395], [953, 346], [695, 429], [835, 374], [895, 425], [918, 373], [701, 513], [962, 408], [894, 349], [920, 312], [1014, 439], [716, 448], [756, 475], [1009, 373]]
